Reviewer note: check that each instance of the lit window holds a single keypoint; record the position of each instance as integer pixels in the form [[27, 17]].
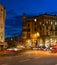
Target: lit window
[[43, 24], [55, 23], [47, 22], [35, 19], [51, 22], [40, 23]]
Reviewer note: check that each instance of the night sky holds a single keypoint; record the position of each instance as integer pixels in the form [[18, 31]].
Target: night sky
[[16, 8]]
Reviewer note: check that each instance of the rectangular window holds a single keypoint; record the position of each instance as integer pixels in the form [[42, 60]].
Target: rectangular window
[[55, 33], [51, 29], [35, 23], [55, 23], [35, 29], [46, 23], [47, 27], [28, 30], [51, 22], [40, 27], [28, 25], [51, 33], [55, 28], [28, 35], [46, 33]]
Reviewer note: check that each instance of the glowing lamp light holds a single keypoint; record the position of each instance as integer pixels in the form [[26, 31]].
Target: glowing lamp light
[[38, 34], [35, 20]]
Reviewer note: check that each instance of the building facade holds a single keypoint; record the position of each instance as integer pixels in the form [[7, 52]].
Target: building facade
[[2, 30], [42, 28]]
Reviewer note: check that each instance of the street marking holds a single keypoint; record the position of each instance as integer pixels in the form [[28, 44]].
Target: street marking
[[24, 60]]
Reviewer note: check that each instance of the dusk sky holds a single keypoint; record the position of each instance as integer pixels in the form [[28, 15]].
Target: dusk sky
[[16, 8]]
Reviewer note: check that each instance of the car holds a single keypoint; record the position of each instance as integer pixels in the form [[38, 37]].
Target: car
[[7, 51], [15, 49], [11, 51], [21, 47], [54, 49], [35, 48]]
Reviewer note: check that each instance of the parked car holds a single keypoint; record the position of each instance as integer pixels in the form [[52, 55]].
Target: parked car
[[54, 49], [21, 47], [11, 51]]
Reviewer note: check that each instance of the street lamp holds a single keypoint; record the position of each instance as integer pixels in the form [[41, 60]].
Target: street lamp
[[36, 35], [35, 19]]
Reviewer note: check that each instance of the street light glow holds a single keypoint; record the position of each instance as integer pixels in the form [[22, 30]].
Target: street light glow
[[38, 34], [35, 19]]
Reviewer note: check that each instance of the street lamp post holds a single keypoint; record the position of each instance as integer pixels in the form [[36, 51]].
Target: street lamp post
[[36, 35]]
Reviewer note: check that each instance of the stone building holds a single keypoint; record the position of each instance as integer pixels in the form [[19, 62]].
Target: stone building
[[3, 44], [42, 28]]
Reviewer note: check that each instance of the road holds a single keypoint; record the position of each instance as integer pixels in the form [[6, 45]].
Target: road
[[33, 57]]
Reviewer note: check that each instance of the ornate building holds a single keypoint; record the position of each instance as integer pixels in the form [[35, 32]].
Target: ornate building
[[42, 28], [2, 30]]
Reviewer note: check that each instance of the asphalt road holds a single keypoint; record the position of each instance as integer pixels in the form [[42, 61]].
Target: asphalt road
[[30, 58]]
